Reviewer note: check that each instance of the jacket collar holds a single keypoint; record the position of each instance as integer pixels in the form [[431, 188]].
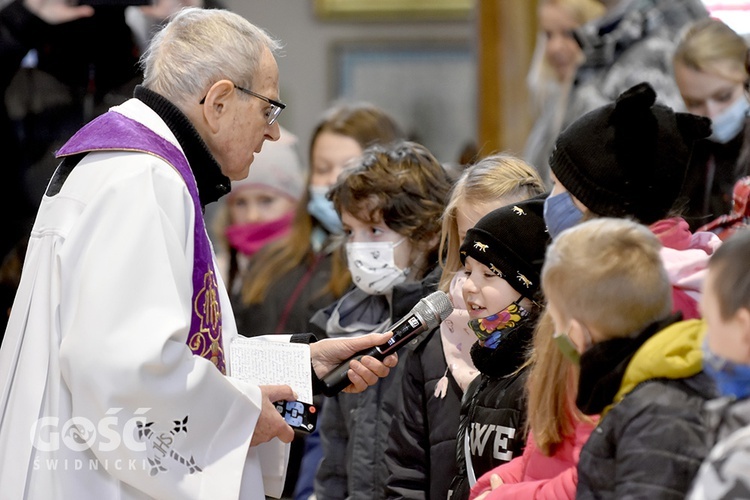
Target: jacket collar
[[611, 369], [509, 355], [212, 184]]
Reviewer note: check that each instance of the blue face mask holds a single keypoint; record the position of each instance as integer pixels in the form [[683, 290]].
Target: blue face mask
[[730, 122], [732, 379], [560, 213], [322, 209]]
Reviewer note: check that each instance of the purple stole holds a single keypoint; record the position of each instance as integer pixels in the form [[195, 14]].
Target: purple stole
[[115, 132]]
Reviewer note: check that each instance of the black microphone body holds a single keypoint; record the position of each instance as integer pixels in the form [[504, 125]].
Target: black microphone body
[[426, 315]]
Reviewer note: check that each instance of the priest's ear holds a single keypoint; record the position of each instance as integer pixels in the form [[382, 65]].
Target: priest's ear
[[215, 106]]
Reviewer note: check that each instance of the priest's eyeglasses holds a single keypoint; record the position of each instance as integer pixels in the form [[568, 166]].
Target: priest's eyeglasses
[[273, 112]]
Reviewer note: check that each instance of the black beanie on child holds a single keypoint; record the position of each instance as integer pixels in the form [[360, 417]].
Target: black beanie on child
[[511, 242], [628, 158]]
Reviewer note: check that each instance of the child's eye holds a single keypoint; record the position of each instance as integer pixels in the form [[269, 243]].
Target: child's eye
[[724, 97], [322, 169], [376, 231], [489, 275]]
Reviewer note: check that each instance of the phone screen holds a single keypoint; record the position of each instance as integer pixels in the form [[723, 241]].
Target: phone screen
[[298, 415]]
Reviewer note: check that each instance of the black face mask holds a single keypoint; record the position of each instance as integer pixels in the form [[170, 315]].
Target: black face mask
[[604, 364]]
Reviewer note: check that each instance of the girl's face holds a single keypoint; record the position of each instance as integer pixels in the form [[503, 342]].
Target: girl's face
[[467, 214], [257, 204], [484, 292], [708, 94], [330, 154], [357, 231], [561, 50]]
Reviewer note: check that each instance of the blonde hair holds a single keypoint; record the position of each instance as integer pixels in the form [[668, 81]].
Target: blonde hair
[[496, 177], [707, 43], [608, 274], [552, 387]]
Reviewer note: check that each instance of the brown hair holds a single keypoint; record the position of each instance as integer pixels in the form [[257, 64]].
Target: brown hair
[[403, 186], [365, 123], [730, 274], [496, 177]]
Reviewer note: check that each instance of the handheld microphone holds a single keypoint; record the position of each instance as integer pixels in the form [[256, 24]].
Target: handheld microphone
[[426, 315]]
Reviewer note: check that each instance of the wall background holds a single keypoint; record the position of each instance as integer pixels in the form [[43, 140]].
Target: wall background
[[312, 46]]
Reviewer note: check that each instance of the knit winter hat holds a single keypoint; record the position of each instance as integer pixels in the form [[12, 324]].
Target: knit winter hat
[[630, 157], [278, 166], [511, 241]]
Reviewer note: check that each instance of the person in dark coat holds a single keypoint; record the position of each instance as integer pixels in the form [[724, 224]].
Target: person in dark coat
[[422, 440], [711, 74], [390, 203], [503, 256], [609, 297]]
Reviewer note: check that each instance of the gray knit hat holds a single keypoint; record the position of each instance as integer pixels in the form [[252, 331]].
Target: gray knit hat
[[278, 166]]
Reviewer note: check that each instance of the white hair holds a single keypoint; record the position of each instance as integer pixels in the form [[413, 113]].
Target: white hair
[[198, 47]]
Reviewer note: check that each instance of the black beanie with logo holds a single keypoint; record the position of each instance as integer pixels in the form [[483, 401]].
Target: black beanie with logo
[[511, 242], [629, 157]]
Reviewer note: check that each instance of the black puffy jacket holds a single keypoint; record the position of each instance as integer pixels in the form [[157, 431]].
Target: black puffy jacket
[[421, 445], [493, 410]]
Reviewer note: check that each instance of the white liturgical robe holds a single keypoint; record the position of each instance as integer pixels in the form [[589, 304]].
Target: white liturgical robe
[[100, 397]]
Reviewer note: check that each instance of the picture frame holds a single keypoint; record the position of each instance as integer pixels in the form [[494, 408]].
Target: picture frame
[[428, 86], [393, 9]]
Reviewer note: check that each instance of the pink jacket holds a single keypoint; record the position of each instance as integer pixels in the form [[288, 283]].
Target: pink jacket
[[685, 256], [535, 475]]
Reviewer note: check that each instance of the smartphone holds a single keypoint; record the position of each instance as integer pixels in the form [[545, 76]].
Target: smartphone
[[298, 415]]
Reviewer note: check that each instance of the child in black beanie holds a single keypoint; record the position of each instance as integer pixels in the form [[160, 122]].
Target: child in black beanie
[[503, 256], [628, 159]]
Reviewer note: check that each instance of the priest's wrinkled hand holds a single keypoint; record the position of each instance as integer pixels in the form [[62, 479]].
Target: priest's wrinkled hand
[[327, 354], [270, 423]]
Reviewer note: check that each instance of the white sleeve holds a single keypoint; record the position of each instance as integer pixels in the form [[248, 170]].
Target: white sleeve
[[127, 294]]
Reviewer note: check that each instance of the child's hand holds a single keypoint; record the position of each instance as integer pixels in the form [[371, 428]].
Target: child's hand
[[495, 482]]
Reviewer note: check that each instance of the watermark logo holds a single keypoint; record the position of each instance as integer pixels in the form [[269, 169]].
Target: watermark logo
[[48, 434], [137, 434]]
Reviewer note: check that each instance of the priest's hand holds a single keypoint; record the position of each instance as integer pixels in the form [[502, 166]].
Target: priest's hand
[[327, 354], [270, 423]]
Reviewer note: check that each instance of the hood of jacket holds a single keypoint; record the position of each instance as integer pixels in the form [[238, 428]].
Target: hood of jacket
[[672, 353]]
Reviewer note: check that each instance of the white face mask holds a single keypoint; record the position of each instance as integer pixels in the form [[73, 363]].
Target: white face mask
[[373, 266]]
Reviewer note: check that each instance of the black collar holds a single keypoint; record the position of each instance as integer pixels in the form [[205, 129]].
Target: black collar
[[603, 366], [212, 184], [509, 354]]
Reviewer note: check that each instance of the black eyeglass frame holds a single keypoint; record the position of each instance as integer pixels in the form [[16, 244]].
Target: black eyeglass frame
[[276, 106]]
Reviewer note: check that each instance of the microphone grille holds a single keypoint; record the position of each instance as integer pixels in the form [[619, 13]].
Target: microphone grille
[[434, 308]]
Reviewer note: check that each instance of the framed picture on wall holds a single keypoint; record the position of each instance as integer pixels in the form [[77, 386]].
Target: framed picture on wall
[[393, 9], [429, 87]]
